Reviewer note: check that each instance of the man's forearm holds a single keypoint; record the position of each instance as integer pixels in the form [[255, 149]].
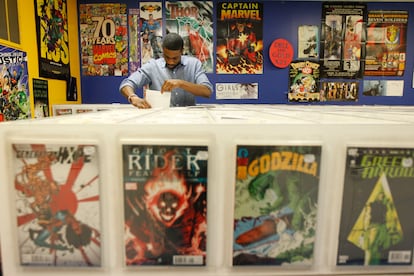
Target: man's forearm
[[196, 89], [128, 92]]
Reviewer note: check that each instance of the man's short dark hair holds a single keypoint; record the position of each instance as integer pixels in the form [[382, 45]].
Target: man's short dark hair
[[173, 41]]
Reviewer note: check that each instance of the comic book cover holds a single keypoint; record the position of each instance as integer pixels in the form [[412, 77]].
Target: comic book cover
[[386, 43], [57, 197], [239, 44], [150, 24], [376, 225], [343, 40], [193, 20], [276, 201], [14, 85], [52, 31], [134, 42], [304, 81], [165, 201], [104, 39]]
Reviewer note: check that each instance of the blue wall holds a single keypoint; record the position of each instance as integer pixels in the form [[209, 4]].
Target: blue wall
[[280, 20]]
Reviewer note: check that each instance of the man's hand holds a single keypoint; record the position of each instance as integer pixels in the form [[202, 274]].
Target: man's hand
[[170, 84], [140, 103]]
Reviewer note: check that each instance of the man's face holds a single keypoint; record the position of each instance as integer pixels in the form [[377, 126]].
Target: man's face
[[172, 57]]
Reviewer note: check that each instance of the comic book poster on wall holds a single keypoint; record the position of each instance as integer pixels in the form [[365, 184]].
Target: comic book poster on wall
[[52, 39], [343, 40], [104, 39], [57, 196], [150, 30], [14, 85], [304, 81], [133, 34], [193, 20], [376, 226], [239, 38], [276, 202], [165, 204], [386, 43]]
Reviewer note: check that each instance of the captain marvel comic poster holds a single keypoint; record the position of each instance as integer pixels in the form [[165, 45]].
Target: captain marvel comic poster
[[103, 39], [386, 43], [165, 204], [57, 198], [52, 39], [343, 40], [276, 203], [239, 38], [14, 85], [376, 226], [193, 20]]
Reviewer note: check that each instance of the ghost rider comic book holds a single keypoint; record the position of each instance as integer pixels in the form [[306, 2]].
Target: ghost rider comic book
[[165, 204]]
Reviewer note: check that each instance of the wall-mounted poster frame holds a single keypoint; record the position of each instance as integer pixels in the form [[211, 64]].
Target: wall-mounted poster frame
[[52, 39], [14, 86]]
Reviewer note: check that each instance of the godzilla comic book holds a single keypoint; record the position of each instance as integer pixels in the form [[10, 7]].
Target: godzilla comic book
[[376, 221], [275, 208], [165, 204], [57, 196]]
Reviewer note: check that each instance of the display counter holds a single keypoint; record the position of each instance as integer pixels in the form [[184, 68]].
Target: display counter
[[220, 130]]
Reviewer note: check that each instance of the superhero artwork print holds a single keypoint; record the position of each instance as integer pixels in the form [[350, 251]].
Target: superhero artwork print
[[52, 39], [150, 26], [239, 38], [165, 201], [193, 20], [57, 202], [14, 86]]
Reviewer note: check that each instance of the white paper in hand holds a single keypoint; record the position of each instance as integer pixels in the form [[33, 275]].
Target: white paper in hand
[[156, 99]]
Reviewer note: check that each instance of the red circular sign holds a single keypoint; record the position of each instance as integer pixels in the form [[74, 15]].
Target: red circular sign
[[281, 53]]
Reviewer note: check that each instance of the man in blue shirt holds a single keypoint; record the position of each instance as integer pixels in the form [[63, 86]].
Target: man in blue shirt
[[182, 75]]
